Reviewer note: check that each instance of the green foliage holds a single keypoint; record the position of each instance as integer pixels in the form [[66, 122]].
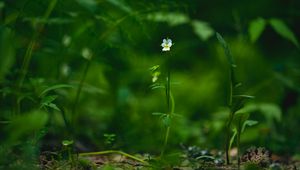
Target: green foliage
[[109, 138], [202, 29], [67, 142], [283, 30], [121, 4], [18, 128], [91, 5], [47, 102], [256, 27], [7, 51], [55, 87], [49, 92], [173, 19], [238, 119], [226, 50], [271, 111]]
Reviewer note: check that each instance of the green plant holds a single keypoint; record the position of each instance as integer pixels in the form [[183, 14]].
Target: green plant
[[238, 116], [28, 56], [155, 72], [68, 146], [109, 138], [257, 26]]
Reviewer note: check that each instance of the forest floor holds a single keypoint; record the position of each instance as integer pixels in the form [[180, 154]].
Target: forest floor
[[193, 158]]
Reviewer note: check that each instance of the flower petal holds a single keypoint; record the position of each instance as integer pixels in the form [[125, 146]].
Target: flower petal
[[166, 48]]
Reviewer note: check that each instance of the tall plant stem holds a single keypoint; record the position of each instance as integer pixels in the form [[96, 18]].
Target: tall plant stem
[[168, 91], [165, 141], [170, 110], [238, 140], [228, 129], [74, 113], [231, 115], [28, 55]]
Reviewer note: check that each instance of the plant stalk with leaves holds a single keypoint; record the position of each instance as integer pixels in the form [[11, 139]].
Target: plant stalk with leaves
[[28, 56], [87, 54], [166, 117], [237, 116]]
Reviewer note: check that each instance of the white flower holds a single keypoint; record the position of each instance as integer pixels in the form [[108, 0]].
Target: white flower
[[65, 69], [66, 40], [167, 43], [86, 53]]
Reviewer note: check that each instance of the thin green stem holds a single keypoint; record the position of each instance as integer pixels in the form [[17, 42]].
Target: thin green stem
[[74, 113], [28, 56], [227, 147], [238, 142], [231, 115], [165, 141], [170, 110], [168, 90], [26, 62], [114, 152], [172, 103]]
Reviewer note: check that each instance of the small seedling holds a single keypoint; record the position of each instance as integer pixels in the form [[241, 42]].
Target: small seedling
[[68, 145], [109, 139]]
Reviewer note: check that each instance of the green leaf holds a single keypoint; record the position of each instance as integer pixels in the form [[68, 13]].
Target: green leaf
[[157, 113], [271, 111], [255, 29], [7, 51], [58, 86], [36, 20], [157, 86], [232, 137], [173, 19], [121, 4], [166, 120], [202, 30], [226, 50], [154, 68], [48, 99], [240, 118], [243, 96], [91, 5], [176, 115], [205, 157], [283, 30], [47, 102], [237, 85], [67, 142], [248, 123], [53, 106], [249, 108]]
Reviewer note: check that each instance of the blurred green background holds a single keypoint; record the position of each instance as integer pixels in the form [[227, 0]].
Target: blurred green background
[[123, 38]]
